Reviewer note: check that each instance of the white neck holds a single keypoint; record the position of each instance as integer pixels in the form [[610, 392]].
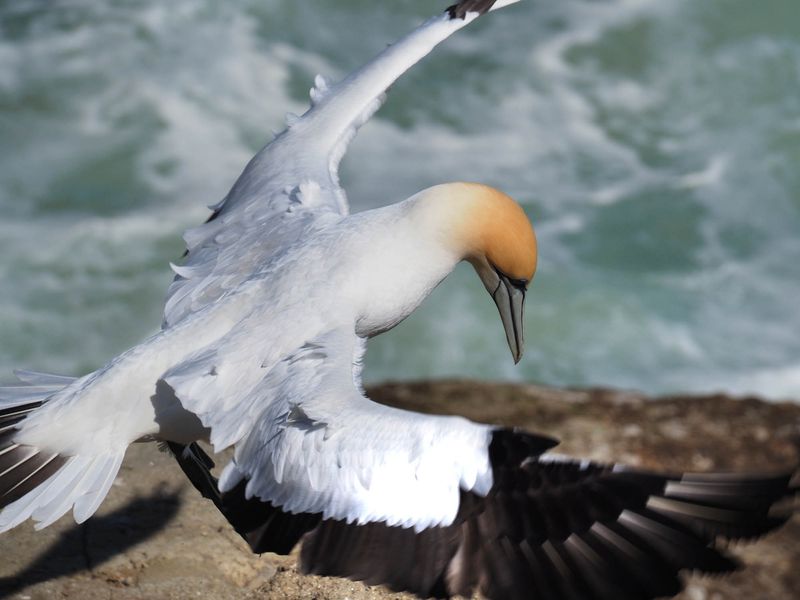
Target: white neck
[[408, 255]]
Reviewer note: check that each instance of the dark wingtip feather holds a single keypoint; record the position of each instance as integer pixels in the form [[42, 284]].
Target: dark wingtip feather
[[550, 528], [510, 447], [460, 10], [13, 412], [22, 468], [728, 505], [264, 527], [11, 417], [28, 476]]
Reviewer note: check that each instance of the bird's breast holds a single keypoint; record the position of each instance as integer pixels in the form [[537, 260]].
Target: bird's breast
[[372, 269]]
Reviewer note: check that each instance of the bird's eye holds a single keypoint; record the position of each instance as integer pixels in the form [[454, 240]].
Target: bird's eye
[[520, 284]]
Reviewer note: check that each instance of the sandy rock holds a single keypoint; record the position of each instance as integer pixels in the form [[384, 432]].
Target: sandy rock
[[155, 537]]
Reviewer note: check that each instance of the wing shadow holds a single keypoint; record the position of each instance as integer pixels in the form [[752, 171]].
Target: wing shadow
[[97, 540]]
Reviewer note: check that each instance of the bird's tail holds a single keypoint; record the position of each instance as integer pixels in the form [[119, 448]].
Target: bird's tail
[[40, 484]]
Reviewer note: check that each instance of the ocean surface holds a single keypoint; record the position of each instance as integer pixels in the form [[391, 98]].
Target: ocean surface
[[655, 144]]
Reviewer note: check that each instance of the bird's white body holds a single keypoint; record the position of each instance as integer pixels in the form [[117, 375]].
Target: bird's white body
[[363, 273], [354, 277], [264, 330]]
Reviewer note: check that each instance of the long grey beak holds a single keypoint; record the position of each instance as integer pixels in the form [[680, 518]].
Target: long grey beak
[[510, 300]]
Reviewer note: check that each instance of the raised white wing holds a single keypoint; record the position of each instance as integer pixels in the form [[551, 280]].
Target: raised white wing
[[308, 440], [291, 187]]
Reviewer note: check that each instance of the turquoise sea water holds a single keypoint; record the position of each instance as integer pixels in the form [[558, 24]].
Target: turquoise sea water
[[654, 143]]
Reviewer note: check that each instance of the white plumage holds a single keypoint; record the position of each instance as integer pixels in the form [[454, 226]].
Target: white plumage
[[263, 332]]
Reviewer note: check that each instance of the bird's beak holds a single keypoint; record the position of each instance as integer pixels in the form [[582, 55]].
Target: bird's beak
[[510, 299], [509, 296]]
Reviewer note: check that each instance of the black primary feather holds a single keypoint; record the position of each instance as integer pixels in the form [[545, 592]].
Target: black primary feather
[[550, 528], [22, 468], [264, 527], [460, 10]]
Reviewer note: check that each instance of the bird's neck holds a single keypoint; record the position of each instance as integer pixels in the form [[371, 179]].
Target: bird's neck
[[410, 251], [445, 219], [414, 245]]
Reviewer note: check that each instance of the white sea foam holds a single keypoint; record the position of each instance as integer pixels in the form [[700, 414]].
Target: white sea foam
[[710, 175], [780, 382]]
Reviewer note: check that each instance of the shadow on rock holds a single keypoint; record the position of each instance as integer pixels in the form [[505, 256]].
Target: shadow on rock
[[86, 546]]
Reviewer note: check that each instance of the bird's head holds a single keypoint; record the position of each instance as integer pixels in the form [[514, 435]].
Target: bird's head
[[491, 231]]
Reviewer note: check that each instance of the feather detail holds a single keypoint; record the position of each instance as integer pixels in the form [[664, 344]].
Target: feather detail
[[320, 89], [257, 216], [303, 419], [550, 527], [39, 483]]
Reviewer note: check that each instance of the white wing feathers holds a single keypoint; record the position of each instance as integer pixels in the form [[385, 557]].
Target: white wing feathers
[[294, 180], [80, 482], [36, 388], [305, 436], [285, 395], [308, 440]]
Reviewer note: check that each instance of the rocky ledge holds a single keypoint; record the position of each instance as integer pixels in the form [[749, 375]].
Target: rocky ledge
[[154, 537]]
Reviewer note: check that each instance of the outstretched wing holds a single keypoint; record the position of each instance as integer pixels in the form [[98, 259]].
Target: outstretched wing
[[550, 528], [308, 440], [291, 187]]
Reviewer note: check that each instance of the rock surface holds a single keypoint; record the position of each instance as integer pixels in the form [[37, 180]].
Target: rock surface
[[155, 537]]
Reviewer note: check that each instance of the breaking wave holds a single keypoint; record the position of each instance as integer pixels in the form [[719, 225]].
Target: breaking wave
[[655, 146]]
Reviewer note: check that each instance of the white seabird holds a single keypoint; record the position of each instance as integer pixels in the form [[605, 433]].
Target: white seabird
[[264, 331]]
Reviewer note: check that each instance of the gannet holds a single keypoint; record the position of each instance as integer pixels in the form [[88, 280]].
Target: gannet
[[261, 348]]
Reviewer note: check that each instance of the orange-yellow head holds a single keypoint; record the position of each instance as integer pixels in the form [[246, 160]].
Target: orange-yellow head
[[491, 231]]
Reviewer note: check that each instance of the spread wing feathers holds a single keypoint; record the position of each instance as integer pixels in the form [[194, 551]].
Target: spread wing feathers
[[35, 388], [291, 187], [550, 528], [306, 439], [39, 483], [556, 529]]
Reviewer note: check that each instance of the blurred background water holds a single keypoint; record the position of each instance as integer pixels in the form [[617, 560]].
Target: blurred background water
[[654, 143]]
